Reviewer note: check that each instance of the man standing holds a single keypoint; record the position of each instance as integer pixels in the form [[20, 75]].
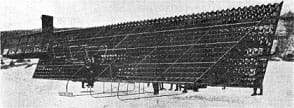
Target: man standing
[[171, 86], [257, 83], [185, 88], [161, 86], [91, 70], [88, 72], [155, 88], [178, 87]]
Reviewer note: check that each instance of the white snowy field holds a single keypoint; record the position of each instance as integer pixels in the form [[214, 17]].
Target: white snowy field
[[18, 89]]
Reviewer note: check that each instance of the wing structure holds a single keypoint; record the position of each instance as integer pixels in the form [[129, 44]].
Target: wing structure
[[223, 47]]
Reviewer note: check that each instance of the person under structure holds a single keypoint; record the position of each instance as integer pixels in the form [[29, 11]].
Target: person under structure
[[93, 67], [185, 88], [161, 87], [90, 71], [178, 88], [257, 83], [155, 88]]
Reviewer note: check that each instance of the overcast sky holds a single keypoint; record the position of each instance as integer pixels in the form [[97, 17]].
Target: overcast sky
[[25, 14]]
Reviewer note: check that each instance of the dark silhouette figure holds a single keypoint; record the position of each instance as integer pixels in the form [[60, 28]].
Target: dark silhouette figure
[[89, 77], [195, 87], [91, 70], [178, 87], [161, 86], [171, 87], [258, 84], [11, 63], [185, 88], [155, 88]]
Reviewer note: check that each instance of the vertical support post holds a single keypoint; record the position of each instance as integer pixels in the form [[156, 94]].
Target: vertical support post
[[103, 87], [111, 88], [128, 88], [143, 88], [139, 89]]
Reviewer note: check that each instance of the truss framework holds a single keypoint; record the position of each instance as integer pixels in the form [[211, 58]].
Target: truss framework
[[223, 47]]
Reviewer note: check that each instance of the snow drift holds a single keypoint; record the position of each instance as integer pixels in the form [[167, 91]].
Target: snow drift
[[19, 89]]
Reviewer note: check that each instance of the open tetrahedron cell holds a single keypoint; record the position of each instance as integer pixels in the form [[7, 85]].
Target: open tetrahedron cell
[[228, 47]]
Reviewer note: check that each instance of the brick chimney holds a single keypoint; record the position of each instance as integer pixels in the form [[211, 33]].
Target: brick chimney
[[47, 23]]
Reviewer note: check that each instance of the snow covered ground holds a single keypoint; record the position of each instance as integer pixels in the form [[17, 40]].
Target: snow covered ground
[[18, 89]]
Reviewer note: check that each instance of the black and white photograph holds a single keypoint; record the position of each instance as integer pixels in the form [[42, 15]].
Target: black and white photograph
[[147, 53]]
